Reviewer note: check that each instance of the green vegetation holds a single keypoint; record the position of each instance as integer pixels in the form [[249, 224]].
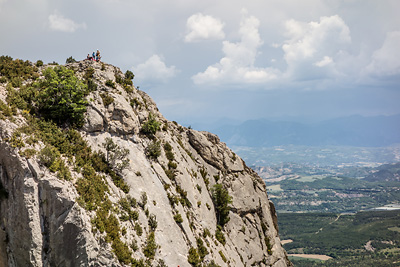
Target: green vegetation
[[193, 257], [153, 150], [52, 108], [202, 250], [116, 156], [152, 222], [110, 84], [221, 200], [70, 60], [39, 63], [129, 75], [219, 235], [60, 96], [168, 151], [151, 126], [333, 189], [343, 237], [178, 218], [150, 247], [17, 69], [107, 99], [222, 256], [126, 81]]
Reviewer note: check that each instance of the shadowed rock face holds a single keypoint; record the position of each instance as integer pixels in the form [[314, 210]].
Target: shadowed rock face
[[42, 224]]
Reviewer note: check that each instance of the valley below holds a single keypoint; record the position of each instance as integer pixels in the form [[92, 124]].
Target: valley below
[[337, 206]]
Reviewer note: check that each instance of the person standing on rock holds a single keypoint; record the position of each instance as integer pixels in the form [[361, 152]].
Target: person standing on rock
[[93, 56], [98, 55]]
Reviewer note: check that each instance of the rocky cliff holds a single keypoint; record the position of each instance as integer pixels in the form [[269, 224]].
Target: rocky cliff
[[124, 186]]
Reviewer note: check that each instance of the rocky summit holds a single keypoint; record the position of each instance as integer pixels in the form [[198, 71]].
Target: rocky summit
[[92, 174]]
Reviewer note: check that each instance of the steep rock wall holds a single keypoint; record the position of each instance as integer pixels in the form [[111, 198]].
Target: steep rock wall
[[42, 223]]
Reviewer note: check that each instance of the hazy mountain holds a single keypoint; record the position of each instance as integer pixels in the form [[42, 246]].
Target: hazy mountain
[[347, 131]]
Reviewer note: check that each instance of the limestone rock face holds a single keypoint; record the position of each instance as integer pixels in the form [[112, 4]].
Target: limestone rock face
[[43, 222]]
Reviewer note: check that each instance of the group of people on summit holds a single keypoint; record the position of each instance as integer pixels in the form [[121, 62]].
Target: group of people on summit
[[95, 56]]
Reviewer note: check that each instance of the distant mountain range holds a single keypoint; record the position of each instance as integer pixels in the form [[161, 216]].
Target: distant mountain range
[[347, 131]]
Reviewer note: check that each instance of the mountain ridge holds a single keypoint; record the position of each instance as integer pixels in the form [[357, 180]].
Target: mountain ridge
[[115, 190]]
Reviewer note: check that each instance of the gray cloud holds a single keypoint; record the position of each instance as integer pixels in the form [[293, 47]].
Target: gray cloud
[[58, 22], [289, 57]]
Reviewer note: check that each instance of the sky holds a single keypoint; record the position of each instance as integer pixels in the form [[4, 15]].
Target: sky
[[208, 61]]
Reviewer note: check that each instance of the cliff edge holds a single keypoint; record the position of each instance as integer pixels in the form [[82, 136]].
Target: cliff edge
[[120, 185]]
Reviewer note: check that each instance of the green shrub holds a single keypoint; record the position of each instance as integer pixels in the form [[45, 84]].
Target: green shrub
[[206, 232], [168, 151], [28, 153], [152, 222], [5, 109], [116, 156], [172, 165], [16, 82], [203, 172], [212, 264], [48, 156], [193, 257], [91, 188], [178, 218], [198, 188], [129, 75], [221, 200], [153, 150], [183, 194], [219, 235], [222, 256], [202, 250], [122, 251], [143, 200], [138, 229], [107, 99], [134, 246], [16, 140], [16, 98], [150, 247], [135, 103], [39, 63], [70, 60], [61, 96], [151, 126], [18, 68], [110, 84]]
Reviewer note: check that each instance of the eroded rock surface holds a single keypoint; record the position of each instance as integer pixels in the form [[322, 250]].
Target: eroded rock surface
[[43, 224]]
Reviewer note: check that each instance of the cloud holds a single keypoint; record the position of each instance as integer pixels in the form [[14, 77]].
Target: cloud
[[203, 27], [154, 69], [1, 3], [324, 62], [57, 22], [314, 44], [386, 60], [237, 66]]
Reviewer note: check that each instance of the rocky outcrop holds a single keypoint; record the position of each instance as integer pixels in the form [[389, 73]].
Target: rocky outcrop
[[44, 223]]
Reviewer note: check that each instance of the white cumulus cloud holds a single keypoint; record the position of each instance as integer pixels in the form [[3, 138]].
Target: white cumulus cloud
[[57, 22], [203, 27], [155, 69], [386, 60], [237, 66], [314, 44]]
